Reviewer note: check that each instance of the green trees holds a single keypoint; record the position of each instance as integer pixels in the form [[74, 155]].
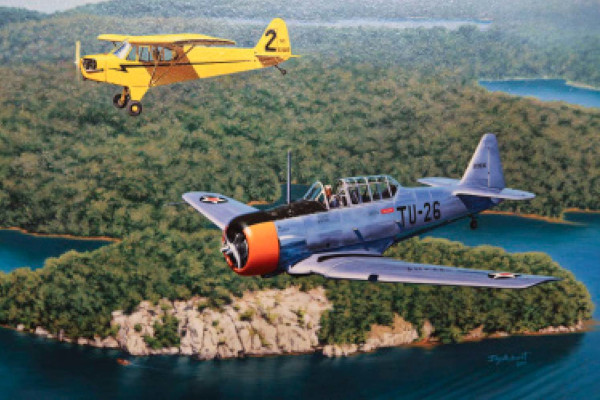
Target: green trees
[[77, 292]]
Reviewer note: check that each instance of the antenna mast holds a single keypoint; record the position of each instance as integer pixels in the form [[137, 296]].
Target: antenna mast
[[289, 177]]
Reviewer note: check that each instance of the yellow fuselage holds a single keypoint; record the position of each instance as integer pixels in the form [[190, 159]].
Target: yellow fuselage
[[197, 63]]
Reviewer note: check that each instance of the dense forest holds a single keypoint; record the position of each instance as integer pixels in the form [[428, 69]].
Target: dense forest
[[76, 165], [11, 15], [310, 10], [360, 101]]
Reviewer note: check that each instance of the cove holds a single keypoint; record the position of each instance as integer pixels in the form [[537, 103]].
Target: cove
[[18, 249], [546, 90]]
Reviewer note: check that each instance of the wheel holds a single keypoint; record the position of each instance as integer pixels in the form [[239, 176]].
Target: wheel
[[134, 108], [473, 224], [117, 101]]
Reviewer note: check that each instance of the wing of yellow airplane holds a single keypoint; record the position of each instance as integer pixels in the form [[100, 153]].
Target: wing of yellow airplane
[[112, 38], [179, 39]]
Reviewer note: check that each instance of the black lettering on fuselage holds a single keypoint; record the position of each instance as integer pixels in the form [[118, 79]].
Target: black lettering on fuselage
[[431, 211], [412, 214]]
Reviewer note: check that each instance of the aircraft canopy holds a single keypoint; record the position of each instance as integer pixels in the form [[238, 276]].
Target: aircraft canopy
[[354, 190]]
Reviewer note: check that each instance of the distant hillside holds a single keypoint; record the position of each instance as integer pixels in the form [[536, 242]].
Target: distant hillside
[[10, 15], [329, 9], [474, 53]]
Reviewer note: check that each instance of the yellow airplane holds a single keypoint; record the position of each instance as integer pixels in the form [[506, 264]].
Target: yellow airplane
[[140, 62]]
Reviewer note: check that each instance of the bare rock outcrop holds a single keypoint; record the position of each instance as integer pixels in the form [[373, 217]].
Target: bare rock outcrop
[[268, 322], [400, 333], [260, 323]]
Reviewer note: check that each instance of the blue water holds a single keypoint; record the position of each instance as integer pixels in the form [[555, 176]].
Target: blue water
[[18, 249], [550, 367], [547, 90], [377, 23]]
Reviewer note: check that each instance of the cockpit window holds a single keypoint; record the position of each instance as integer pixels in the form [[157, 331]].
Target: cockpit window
[[145, 54], [122, 50], [354, 191], [132, 54]]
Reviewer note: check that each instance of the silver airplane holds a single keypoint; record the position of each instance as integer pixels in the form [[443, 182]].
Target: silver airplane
[[343, 233]]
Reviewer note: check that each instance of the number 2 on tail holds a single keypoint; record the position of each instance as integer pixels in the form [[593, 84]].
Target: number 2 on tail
[[273, 35]]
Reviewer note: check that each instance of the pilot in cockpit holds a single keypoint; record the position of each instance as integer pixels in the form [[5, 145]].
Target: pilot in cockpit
[[333, 199]]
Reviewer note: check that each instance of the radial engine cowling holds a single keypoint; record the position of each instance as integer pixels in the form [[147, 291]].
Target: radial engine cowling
[[252, 249]]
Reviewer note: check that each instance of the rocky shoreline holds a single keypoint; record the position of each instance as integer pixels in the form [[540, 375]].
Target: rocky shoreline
[[269, 322]]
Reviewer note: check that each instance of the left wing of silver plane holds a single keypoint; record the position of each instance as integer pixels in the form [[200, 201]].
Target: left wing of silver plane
[[219, 209], [376, 268]]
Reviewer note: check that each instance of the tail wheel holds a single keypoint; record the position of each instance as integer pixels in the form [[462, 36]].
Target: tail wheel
[[134, 108], [473, 223], [117, 102]]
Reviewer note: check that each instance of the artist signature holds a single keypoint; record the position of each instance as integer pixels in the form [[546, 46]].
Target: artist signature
[[517, 359]]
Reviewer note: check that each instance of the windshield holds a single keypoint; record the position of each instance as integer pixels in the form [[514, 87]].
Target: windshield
[[122, 50]]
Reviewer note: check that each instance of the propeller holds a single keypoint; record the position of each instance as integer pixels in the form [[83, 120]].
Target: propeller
[[77, 62], [231, 249]]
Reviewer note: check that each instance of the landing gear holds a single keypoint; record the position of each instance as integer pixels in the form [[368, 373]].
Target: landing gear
[[134, 108], [473, 223], [124, 100], [283, 71], [119, 102]]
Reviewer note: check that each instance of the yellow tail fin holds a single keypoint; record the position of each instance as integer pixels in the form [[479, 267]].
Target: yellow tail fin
[[275, 40]]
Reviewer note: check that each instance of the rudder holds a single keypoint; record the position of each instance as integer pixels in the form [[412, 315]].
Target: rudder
[[275, 40]]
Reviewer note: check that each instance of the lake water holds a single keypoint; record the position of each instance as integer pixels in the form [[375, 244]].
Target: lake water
[[376, 23], [546, 89], [18, 249], [550, 367]]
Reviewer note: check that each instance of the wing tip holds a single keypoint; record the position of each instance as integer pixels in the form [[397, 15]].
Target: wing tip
[[540, 280]]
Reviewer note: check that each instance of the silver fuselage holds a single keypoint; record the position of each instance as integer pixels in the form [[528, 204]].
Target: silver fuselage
[[373, 226]]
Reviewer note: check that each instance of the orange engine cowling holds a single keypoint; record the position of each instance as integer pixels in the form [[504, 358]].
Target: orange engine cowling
[[253, 250]]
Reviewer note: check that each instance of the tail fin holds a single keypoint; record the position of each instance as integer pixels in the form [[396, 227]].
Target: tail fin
[[483, 177], [485, 168], [275, 41]]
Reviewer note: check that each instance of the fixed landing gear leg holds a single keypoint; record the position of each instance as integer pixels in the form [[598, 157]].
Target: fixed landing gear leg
[[121, 100], [283, 71], [136, 93], [473, 223]]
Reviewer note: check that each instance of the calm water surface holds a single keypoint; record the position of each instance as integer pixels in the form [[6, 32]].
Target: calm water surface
[[547, 90], [549, 367], [21, 250]]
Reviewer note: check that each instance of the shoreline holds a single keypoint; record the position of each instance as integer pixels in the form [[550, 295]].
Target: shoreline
[[61, 235], [538, 217], [426, 344], [568, 82]]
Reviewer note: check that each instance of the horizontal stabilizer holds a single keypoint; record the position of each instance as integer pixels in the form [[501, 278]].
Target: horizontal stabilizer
[[374, 268], [219, 209], [271, 57], [505, 194]]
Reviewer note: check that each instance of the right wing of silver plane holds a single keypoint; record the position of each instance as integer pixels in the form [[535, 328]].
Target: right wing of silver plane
[[375, 268], [219, 209]]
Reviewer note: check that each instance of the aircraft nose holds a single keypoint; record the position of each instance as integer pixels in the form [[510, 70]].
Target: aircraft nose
[[89, 64]]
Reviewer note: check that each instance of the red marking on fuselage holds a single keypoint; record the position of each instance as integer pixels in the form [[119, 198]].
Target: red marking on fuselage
[[387, 210]]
